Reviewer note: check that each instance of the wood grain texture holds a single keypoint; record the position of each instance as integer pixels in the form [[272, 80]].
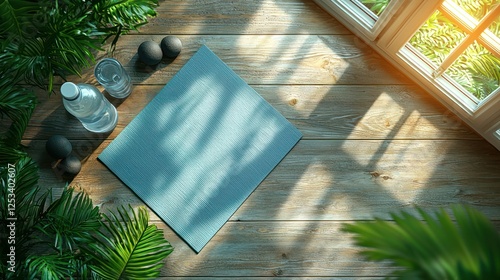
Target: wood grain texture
[[259, 249], [266, 59], [318, 111], [373, 141], [242, 17], [342, 180]]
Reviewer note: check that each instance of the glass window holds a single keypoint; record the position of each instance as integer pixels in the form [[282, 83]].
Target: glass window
[[477, 70], [476, 8], [437, 37], [375, 6], [495, 28], [450, 47], [461, 40]]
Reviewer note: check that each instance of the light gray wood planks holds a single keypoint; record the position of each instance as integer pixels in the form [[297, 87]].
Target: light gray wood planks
[[265, 59], [242, 17], [318, 111], [287, 249], [272, 59], [342, 180]]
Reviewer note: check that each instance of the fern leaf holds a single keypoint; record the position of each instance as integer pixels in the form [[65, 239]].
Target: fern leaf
[[133, 250]]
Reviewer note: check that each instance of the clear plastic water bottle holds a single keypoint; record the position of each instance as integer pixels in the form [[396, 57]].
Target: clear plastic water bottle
[[87, 104]]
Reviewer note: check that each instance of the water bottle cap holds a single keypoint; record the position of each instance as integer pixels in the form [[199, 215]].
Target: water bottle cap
[[70, 91]]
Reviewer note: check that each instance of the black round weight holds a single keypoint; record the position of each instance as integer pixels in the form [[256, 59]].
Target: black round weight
[[171, 46], [150, 53], [70, 165], [58, 146]]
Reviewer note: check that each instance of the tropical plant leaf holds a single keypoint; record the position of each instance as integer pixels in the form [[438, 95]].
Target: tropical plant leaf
[[132, 250], [71, 38], [27, 61], [117, 17], [22, 173], [71, 220], [19, 200], [13, 97], [40, 40], [10, 155], [43, 39], [129, 14], [16, 103], [48, 266], [14, 16], [435, 247]]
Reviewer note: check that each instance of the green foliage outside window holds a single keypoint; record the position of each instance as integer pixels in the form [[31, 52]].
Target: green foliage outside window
[[376, 6], [477, 69]]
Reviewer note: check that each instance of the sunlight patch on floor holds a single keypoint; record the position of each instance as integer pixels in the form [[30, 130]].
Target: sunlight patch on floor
[[303, 59], [317, 174], [413, 124], [380, 118], [304, 104], [391, 165]]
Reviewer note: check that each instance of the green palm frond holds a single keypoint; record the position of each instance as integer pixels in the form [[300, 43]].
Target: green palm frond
[[133, 250], [28, 61], [129, 14], [40, 40], [80, 268], [71, 219], [20, 120], [435, 247], [30, 203], [8, 155], [16, 103], [26, 171], [46, 38], [22, 173], [13, 15], [71, 50], [14, 97], [117, 17], [48, 266]]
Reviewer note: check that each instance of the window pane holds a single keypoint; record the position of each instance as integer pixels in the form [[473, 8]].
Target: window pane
[[376, 6], [477, 70], [437, 37], [476, 8], [495, 27]]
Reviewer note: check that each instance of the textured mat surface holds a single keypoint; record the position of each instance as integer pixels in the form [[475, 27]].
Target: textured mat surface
[[198, 150]]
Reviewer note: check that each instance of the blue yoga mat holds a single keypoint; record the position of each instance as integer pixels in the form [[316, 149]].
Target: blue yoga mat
[[198, 150]]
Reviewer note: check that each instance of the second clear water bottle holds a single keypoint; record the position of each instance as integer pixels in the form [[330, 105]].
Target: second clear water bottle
[[87, 104]]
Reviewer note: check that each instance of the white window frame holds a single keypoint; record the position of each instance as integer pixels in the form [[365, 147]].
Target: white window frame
[[361, 18], [388, 36]]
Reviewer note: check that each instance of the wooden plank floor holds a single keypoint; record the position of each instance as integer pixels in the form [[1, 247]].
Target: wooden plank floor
[[374, 142]]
